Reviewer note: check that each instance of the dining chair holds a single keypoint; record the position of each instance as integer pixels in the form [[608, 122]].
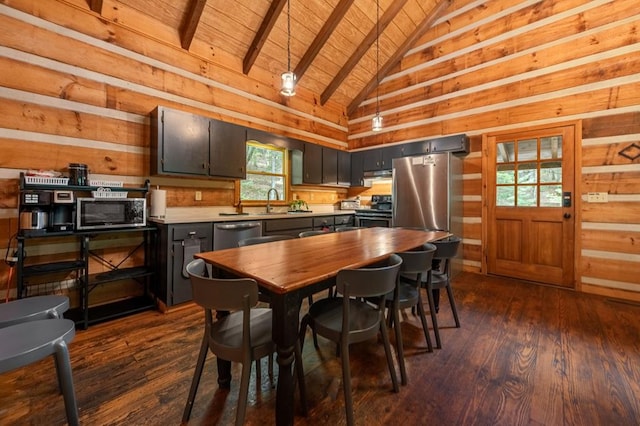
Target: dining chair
[[263, 239], [415, 264], [242, 336], [446, 250], [348, 228], [33, 308], [351, 319], [305, 234], [31, 341]]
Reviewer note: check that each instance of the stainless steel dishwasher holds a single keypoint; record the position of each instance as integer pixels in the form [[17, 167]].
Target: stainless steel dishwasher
[[227, 234]]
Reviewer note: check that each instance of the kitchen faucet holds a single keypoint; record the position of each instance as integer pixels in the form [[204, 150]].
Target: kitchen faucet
[[269, 199]]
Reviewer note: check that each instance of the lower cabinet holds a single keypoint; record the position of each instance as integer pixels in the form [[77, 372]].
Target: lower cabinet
[[291, 226], [176, 247]]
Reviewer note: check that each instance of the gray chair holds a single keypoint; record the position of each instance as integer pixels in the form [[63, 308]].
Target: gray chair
[[31, 341], [264, 239], [348, 228], [446, 250], [32, 308], [242, 336], [415, 264], [350, 319], [305, 234]]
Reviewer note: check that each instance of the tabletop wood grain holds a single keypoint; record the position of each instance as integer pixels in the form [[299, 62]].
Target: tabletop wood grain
[[285, 266]]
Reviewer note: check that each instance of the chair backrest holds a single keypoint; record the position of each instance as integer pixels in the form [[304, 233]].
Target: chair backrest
[[264, 239], [447, 248], [304, 234], [220, 294], [348, 228], [374, 280], [418, 260]]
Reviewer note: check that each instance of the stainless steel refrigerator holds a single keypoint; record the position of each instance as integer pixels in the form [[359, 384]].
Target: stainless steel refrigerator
[[427, 192]]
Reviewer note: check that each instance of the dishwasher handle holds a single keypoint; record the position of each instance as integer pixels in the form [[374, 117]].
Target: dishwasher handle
[[238, 226]]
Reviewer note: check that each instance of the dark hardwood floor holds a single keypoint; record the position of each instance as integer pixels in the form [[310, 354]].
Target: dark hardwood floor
[[525, 355]]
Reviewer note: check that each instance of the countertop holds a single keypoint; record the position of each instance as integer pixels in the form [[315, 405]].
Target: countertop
[[211, 215]]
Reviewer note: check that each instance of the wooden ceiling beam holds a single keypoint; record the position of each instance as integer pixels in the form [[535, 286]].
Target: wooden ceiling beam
[[321, 38], [190, 24], [262, 34], [435, 13], [385, 20], [96, 6]]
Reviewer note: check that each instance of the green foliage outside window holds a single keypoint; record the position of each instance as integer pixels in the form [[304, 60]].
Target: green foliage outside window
[[266, 169]]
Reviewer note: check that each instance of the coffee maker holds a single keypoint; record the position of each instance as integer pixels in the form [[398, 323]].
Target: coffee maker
[[62, 211], [35, 207]]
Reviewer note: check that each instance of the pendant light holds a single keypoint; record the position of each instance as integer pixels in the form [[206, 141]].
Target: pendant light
[[376, 121], [288, 77]]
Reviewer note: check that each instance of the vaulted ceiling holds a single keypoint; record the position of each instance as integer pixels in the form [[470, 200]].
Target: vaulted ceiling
[[332, 42]]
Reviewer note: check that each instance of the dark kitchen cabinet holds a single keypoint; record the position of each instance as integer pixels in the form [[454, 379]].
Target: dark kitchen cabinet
[[329, 166], [381, 158], [458, 144], [292, 226], [187, 144], [357, 168], [177, 244], [344, 168], [312, 163]]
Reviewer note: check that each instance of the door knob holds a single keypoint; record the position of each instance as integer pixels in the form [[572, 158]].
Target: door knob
[[567, 215]]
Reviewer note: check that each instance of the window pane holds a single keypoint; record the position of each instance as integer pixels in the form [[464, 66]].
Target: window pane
[[528, 150], [551, 196], [527, 196], [505, 196], [263, 159], [527, 173], [505, 152], [255, 187], [506, 174], [551, 147], [551, 171]]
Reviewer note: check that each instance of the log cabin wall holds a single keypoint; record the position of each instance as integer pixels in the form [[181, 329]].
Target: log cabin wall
[[78, 87], [498, 65]]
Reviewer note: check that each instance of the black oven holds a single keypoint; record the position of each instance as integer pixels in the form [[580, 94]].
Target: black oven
[[378, 215]]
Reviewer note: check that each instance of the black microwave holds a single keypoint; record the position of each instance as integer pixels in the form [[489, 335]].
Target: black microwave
[[109, 213]]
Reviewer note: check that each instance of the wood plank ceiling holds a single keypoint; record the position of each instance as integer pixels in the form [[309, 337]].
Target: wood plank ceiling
[[332, 42]]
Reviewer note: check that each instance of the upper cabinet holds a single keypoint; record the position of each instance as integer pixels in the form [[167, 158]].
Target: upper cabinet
[[320, 165], [192, 145]]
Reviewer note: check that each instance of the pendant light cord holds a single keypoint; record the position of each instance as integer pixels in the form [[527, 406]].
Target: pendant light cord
[[288, 35], [378, 56]]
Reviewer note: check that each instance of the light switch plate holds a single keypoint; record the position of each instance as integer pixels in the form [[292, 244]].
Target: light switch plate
[[598, 197]]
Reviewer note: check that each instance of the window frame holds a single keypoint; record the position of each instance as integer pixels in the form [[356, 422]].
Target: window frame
[[285, 174]]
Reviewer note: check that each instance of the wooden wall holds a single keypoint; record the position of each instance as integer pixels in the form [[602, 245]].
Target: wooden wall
[[498, 65], [77, 87]]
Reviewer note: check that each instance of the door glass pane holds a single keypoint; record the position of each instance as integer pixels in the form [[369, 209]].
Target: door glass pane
[[527, 196], [505, 152], [505, 196], [551, 196], [551, 171], [551, 147], [505, 174], [527, 173], [527, 150]]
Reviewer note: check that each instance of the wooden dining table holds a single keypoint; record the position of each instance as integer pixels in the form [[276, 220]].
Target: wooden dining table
[[290, 270]]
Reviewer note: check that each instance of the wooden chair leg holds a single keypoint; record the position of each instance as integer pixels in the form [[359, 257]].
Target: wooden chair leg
[[387, 351], [346, 385], [425, 326], [452, 302], [399, 345], [434, 317], [243, 394], [202, 356]]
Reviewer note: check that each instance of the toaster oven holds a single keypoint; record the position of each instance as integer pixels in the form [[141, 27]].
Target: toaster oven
[[349, 204]]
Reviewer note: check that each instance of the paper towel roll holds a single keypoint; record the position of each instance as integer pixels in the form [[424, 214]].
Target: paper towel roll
[[158, 203]]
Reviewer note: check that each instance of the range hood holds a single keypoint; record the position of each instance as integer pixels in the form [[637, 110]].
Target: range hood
[[379, 174]]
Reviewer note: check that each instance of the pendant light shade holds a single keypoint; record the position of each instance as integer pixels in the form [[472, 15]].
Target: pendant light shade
[[288, 83], [289, 77], [376, 121]]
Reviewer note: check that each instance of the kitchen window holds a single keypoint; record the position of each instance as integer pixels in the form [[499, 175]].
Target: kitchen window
[[266, 169]]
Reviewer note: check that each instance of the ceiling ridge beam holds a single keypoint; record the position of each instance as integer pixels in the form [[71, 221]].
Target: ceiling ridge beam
[[435, 13], [190, 25], [321, 38], [96, 6], [262, 34], [385, 20]]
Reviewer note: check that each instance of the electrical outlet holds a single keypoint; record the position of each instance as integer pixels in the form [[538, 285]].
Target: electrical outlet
[[198, 195], [598, 197]]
